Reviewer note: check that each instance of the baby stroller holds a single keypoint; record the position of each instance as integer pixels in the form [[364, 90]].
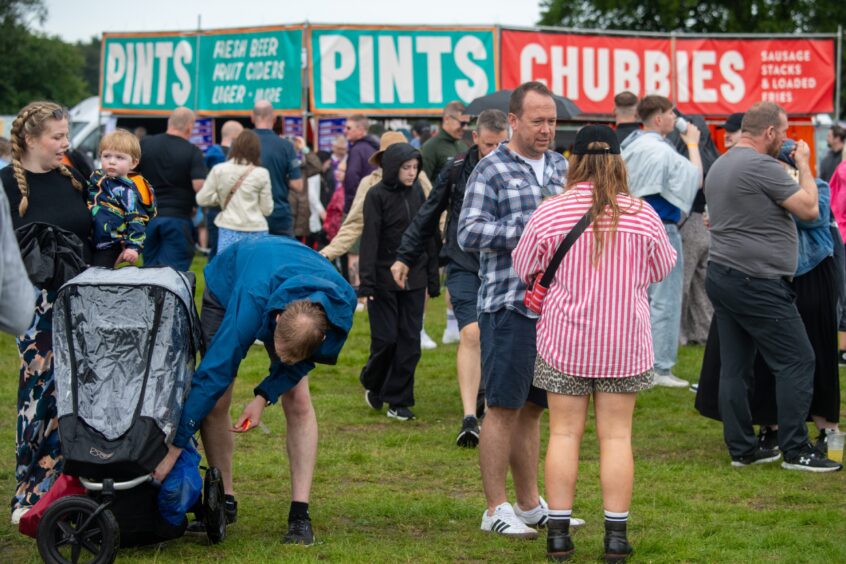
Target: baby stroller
[[125, 343]]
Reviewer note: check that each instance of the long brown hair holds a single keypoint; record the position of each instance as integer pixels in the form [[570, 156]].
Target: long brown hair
[[607, 174], [31, 121], [246, 149]]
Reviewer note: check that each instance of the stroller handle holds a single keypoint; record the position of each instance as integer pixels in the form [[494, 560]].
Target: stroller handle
[[118, 486]]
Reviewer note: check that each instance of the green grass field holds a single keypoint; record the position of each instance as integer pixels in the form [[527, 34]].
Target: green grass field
[[388, 491]]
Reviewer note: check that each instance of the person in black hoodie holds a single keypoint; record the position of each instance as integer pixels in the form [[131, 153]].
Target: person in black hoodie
[[462, 278], [396, 313]]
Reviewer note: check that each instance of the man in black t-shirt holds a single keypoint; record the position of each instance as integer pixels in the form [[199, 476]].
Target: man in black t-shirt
[[280, 160], [176, 170]]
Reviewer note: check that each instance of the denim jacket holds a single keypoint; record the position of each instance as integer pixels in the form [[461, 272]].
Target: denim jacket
[[815, 241]]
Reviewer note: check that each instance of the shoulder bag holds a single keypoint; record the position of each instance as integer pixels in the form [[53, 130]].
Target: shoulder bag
[[535, 293]]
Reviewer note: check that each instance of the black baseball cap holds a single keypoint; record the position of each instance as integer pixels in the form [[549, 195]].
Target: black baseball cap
[[732, 123], [596, 133]]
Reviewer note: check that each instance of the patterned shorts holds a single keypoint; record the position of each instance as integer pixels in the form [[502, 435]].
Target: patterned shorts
[[549, 379]]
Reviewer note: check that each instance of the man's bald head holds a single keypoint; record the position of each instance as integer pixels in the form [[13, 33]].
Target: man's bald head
[[181, 122], [263, 114], [229, 131]]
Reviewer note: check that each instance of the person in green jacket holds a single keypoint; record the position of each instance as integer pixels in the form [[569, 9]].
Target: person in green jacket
[[448, 142]]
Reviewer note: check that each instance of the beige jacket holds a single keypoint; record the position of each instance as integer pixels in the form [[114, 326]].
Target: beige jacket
[[250, 204], [353, 224]]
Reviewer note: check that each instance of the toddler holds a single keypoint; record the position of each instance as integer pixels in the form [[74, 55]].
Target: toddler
[[121, 201]]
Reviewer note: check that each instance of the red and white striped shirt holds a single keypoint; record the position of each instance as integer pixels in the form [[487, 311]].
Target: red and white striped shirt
[[595, 321]]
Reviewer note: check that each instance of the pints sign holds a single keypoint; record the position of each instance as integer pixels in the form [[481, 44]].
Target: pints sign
[[148, 73], [704, 76], [391, 69], [211, 72]]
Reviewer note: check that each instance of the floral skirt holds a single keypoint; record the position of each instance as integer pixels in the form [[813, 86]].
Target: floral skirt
[[38, 454]]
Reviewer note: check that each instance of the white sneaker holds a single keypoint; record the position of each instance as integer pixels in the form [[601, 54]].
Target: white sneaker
[[538, 516], [670, 381], [450, 336], [506, 523], [18, 513], [426, 341], [359, 307]]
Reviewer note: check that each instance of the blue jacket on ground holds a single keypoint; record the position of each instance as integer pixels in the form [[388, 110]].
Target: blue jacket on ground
[[254, 280]]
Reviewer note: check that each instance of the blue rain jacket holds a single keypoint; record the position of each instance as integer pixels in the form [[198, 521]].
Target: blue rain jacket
[[815, 240], [254, 280]]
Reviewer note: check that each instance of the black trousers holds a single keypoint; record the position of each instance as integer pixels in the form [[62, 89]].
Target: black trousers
[[759, 315], [396, 319], [106, 257]]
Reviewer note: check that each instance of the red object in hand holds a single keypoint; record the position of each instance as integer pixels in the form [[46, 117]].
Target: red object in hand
[[535, 293], [245, 425]]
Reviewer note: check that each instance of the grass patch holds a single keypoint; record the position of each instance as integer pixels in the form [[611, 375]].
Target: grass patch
[[403, 492]]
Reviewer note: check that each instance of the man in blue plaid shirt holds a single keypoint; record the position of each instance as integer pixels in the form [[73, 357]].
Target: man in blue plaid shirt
[[503, 191]]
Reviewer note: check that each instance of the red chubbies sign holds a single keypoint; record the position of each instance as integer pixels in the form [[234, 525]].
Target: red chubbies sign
[[704, 76]]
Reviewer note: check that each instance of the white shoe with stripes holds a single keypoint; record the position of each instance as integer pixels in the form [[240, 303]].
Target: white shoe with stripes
[[506, 523], [538, 516]]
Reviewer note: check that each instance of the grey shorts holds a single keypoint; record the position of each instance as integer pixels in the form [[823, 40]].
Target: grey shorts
[[549, 379]]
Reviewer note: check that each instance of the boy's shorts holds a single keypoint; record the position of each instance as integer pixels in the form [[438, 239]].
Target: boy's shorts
[[463, 287]]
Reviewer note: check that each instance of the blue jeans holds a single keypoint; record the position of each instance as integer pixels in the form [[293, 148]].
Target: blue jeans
[[665, 306], [169, 242]]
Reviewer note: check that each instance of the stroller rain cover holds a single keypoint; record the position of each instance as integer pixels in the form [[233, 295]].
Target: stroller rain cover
[[125, 344]]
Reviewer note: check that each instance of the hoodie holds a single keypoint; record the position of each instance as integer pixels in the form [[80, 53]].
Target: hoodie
[[254, 280], [389, 209]]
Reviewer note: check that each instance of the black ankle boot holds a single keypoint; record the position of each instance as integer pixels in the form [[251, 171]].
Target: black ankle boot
[[617, 547], [559, 545]]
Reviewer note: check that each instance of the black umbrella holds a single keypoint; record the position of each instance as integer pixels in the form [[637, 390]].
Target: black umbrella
[[565, 108]]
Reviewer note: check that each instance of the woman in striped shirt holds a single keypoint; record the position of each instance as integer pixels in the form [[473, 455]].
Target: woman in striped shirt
[[594, 334]]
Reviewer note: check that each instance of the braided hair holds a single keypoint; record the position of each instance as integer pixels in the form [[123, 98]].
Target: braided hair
[[31, 122]]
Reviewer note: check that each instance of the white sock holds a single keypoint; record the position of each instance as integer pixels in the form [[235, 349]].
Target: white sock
[[533, 511], [452, 322], [613, 517], [560, 514]]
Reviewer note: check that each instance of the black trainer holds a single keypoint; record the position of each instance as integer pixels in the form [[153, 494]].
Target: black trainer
[[299, 532], [372, 400], [230, 509], [401, 413], [468, 437], [757, 456], [230, 514], [809, 459], [768, 438]]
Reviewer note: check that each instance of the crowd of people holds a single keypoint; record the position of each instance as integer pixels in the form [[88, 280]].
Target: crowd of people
[[567, 278]]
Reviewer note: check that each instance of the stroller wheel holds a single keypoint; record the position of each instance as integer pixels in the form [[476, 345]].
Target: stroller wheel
[[214, 516], [78, 529]]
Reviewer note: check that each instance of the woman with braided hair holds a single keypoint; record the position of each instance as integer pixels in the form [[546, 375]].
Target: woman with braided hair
[[41, 189]]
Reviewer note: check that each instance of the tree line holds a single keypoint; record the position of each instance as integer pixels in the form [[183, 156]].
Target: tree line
[[36, 66]]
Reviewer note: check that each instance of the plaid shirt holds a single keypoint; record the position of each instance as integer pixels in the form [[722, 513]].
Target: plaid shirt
[[501, 194]]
